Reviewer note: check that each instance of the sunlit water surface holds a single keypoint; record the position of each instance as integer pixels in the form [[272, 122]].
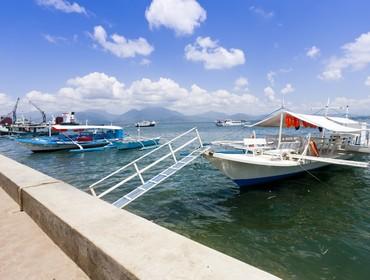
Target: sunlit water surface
[[299, 228]]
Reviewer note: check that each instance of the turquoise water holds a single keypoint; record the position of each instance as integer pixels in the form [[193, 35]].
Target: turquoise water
[[300, 228]]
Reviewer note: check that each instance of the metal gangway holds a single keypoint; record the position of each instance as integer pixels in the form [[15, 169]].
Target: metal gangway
[[147, 185]]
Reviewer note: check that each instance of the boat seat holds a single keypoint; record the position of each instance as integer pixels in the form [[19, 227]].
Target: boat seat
[[254, 142]]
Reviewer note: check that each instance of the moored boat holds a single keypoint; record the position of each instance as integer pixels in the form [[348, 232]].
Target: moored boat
[[255, 161], [74, 137], [230, 123], [145, 124], [129, 143]]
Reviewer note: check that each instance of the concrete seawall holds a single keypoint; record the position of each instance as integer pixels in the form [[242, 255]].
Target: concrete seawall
[[109, 243]]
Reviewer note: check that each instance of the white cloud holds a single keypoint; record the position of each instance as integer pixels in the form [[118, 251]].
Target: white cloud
[[183, 16], [313, 52], [241, 83], [119, 45], [54, 39], [358, 106], [101, 91], [367, 81], [63, 5], [287, 89], [356, 56], [6, 104], [271, 77], [145, 61], [261, 12], [212, 55], [269, 93]]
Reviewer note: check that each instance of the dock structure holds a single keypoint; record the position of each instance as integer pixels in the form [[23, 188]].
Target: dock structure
[[26, 251], [103, 241]]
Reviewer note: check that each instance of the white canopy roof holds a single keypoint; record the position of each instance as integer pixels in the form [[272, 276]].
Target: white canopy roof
[[85, 127], [319, 121], [344, 121]]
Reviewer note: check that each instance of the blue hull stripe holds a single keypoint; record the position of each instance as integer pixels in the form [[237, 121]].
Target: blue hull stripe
[[259, 181]]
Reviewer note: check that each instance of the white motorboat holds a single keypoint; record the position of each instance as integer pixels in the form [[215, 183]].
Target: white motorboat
[[254, 161], [230, 123], [145, 124]]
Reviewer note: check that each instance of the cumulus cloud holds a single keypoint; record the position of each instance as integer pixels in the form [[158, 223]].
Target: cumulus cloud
[[101, 91], [212, 55], [367, 81], [287, 89], [6, 103], [119, 45], [183, 16], [63, 5], [241, 83], [261, 12], [313, 52], [355, 56], [269, 93], [359, 106]]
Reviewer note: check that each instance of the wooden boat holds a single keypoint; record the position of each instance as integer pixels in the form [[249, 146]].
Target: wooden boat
[[71, 137], [255, 161]]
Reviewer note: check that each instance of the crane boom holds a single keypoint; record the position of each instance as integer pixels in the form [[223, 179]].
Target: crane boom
[[39, 109], [14, 112]]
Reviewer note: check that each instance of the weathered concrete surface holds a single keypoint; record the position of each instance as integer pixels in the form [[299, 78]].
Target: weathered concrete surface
[[26, 251], [109, 243]]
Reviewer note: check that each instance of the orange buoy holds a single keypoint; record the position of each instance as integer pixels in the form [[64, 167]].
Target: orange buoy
[[313, 149]]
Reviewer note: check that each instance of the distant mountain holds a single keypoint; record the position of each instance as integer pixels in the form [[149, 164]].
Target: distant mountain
[[95, 117], [151, 113]]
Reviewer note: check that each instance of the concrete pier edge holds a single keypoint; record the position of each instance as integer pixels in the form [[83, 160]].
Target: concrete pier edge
[[110, 243]]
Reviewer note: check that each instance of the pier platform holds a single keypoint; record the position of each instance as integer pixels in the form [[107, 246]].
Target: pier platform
[[103, 241], [26, 251]]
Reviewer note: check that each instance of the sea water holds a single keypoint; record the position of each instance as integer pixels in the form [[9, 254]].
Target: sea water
[[299, 228]]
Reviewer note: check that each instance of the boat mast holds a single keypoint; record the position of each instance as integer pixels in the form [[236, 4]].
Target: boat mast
[[281, 127]]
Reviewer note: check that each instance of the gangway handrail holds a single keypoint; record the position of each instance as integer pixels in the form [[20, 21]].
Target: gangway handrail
[[140, 171]]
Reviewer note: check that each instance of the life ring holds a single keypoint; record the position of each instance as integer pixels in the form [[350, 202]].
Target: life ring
[[313, 149]]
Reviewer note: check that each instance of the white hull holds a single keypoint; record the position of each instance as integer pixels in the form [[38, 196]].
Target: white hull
[[59, 147], [358, 149], [247, 170]]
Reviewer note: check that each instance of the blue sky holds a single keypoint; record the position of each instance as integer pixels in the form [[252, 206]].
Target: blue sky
[[187, 55]]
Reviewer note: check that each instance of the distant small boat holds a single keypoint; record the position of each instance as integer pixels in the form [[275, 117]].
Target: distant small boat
[[230, 123], [145, 124]]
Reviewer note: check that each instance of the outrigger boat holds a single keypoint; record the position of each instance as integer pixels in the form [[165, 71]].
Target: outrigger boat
[[255, 161], [74, 137], [354, 142], [129, 143]]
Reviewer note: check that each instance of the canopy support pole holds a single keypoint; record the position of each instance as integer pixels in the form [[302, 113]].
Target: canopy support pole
[[280, 128]]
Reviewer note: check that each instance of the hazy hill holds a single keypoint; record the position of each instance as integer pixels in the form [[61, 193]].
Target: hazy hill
[[151, 113]]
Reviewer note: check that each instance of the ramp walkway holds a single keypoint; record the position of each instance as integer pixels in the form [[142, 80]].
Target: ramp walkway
[[196, 147]]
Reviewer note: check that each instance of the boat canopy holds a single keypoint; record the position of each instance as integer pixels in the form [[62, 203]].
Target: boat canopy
[[344, 121], [291, 119], [84, 127]]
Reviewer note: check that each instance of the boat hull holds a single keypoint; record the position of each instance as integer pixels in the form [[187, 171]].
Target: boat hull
[[53, 147], [251, 173], [358, 149], [136, 144]]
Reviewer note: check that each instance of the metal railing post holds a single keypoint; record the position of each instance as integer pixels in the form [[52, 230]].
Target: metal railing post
[[200, 140], [173, 154], [139, 174]]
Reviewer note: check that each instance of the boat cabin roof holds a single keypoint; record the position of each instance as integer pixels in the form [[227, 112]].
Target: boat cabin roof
[[291, 119], [85, 127]]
